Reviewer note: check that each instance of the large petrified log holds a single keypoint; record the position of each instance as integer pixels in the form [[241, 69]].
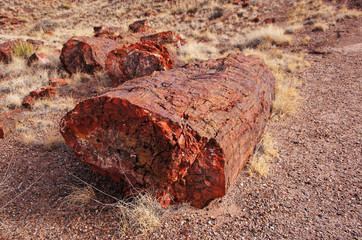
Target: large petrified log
[[137, 60], [186, 132], [86, 54]]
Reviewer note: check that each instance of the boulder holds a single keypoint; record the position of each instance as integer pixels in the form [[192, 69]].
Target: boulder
[[137, 60], [140, 26], [186, 132], [86, 54]]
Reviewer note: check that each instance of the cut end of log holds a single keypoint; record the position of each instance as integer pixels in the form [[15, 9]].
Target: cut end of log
[[146, 150]]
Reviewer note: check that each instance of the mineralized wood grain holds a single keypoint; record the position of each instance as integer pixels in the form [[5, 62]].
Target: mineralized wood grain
[[137, 60], [86, 54], [185, 132]]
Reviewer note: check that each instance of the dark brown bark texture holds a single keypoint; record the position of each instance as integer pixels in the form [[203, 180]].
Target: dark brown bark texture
[[86, 54], [185, 132]]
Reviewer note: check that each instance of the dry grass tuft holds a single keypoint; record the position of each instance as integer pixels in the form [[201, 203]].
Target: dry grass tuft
[[270, 35], [264, 152], [140, 215], [79, 196], [23, 49], [287, 96]]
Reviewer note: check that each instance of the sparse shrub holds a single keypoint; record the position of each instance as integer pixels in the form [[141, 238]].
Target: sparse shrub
[[23, 49], [271, 35], [264, 152], [79, 196], [139, 215]]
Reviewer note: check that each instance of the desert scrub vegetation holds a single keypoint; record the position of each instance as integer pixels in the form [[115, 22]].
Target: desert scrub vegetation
[[23, 49], [319, 14], [40, 125], [270, 35], [264, 152], [135, 215], [139, 215]]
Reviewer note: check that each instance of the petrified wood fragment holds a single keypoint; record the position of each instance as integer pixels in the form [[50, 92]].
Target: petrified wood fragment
[[186, 132], [6, 50], [162, 38], [137, 60], [140, 26], [86, 54]]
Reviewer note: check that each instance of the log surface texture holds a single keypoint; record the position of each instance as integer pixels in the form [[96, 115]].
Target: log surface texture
[[86, 54], [185, 132]]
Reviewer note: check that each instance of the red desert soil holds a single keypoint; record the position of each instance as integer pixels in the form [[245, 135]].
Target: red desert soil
[[313, 190]]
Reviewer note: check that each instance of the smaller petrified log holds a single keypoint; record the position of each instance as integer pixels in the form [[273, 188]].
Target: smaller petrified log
[[140, 26], [186, 132], [29, 101], [86, 54], [137, 60]]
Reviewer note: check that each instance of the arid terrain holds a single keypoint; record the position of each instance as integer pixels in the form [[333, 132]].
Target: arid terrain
[[304, 180]]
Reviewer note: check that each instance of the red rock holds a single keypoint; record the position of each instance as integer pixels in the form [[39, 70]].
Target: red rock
[[137, 60], [43, 92], [86, 54], [140, 26], [2, 135], [162, 38], [60, 82], [29, 101], [6, 50], [269, 20], [186, 132], [41, 58]]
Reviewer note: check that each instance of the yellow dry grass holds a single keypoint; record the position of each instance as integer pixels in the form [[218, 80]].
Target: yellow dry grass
[[140, 215], [79, 197], [264, 152]]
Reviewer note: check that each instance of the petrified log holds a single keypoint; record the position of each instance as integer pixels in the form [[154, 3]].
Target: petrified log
[[86, 54], [186, 132], [30, 100], [137, 60]]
